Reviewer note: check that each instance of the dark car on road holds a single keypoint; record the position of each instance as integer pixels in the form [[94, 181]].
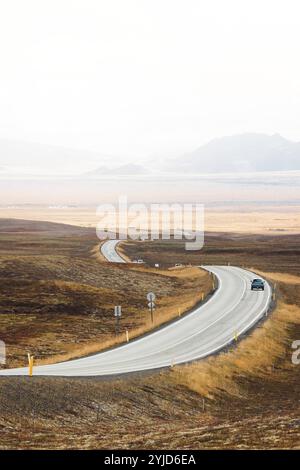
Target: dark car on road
[[257, 284]]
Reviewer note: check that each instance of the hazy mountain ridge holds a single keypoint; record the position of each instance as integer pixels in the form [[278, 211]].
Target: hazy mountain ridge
[[21, 157], [240, 153], [245, 153], [126, 170]]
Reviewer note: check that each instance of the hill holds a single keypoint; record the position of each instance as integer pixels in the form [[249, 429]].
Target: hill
[[240, 153]]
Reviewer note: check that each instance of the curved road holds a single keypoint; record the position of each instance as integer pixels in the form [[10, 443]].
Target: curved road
[[108, 250], [231, 311]]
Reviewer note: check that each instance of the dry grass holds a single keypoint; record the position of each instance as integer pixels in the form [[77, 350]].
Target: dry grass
[[249, 403], [96, 253], [198, 285], [121, 252], [251, 393], [281, 277], [255, 357], [57, 294], [191, 272], [251, 400], [263, 253]]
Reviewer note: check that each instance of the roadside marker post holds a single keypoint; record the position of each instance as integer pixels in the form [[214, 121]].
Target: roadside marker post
[[202, 297], [267, 311], [118, 314], [236, 336], [127, 336], [151, 304], [30, 365], [179, 312]]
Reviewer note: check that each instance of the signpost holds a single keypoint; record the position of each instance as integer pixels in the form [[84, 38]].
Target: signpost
[[118, 314], [151, 304], [151, 297]]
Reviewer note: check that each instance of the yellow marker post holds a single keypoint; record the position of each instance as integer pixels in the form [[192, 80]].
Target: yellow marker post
[[30, 364], [179, 312], [202, 296], [127, 336], [236, 337]]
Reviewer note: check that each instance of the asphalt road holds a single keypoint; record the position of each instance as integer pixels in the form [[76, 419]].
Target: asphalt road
[[230, 312], [108, 250]]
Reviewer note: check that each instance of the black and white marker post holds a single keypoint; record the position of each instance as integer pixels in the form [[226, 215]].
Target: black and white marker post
[[118, 313], [151, 304]]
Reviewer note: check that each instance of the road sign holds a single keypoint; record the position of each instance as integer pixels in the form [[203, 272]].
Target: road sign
[[118, 310], [118, 313], [151, 297]]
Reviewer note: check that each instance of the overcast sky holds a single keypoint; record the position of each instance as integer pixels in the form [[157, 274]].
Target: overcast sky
[[138, 78]]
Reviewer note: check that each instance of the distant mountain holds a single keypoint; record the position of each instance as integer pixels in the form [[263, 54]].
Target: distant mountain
[[130, 169], [240, 153], [23, 158]]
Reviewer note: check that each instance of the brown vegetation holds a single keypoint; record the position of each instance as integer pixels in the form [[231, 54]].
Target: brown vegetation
[[246, 397], [256, 357], [261, 252], [57, 299]]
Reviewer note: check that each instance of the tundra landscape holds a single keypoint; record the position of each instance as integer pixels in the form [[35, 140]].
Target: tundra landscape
[[57, 302]]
